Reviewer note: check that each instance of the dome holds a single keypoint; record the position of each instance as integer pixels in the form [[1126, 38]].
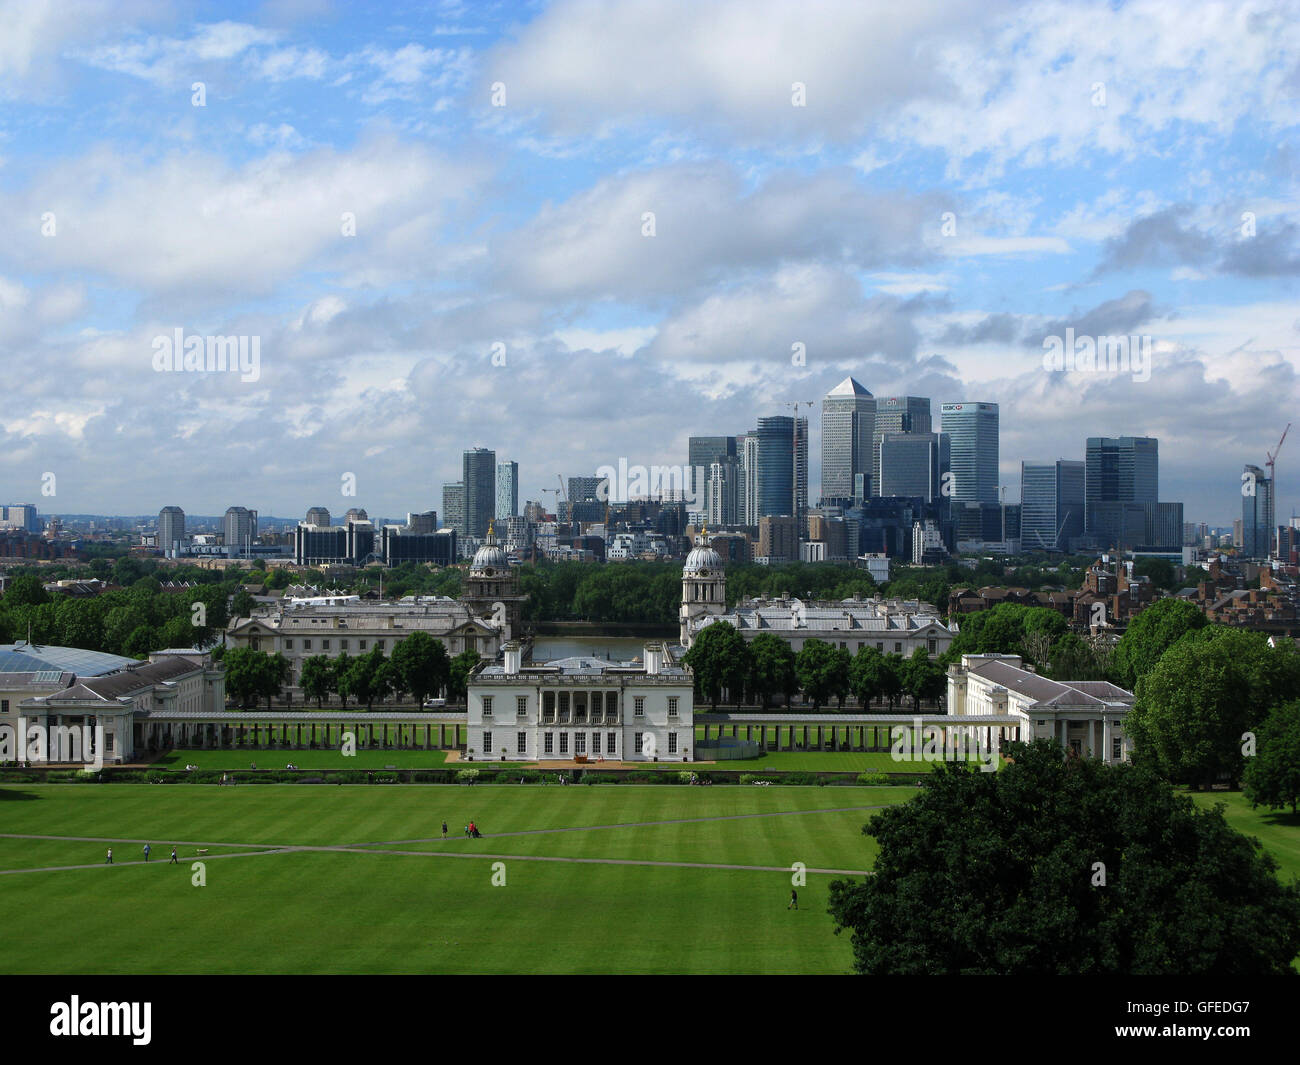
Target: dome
[[701, 562], [490, 559]]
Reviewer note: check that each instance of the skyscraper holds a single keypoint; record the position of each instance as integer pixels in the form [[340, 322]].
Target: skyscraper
[[747, 449], [723, 493], [848, 428], [701, 453], [480, 470], [972, 429], [911, 464], [1257, 513], [776, 483], [896, 414], [1051, 504], [240, 530], [507, 489], [453, 506], [1119, 470], [171, 531], [318, 516]]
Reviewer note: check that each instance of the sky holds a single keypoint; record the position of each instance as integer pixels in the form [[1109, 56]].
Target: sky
[[583, 231]]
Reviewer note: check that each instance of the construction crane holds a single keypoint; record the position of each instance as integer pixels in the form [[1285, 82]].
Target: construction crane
[[1272, 478]]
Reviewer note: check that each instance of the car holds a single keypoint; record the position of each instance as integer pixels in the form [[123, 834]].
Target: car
[[434, 704]]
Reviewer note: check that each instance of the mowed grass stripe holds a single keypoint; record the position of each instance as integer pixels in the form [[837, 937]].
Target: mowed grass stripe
[[340, 912]]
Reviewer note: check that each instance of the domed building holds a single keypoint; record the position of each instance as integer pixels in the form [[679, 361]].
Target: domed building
[[492, 588], [704, 587]]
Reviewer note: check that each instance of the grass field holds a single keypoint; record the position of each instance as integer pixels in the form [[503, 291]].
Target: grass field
[[328, 879], [388, 895]]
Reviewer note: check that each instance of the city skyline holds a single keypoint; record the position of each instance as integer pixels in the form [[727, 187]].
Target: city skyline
[[418, 238]]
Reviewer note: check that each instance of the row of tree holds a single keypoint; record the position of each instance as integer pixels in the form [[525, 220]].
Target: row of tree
[[729, 668], [419, 666]]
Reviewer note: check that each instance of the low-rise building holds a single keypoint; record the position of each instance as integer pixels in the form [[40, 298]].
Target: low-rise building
[[582, 708], [1087, 717]]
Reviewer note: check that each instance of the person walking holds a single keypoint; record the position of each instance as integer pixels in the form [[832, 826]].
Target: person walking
[[109, 859], [444, 830], [794, 900], [146, 852], [173, 861]]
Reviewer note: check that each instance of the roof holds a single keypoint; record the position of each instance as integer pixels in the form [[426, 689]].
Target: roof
[[1045, 692], [848, 387], [127, 682], [33, 658], [583, 666]]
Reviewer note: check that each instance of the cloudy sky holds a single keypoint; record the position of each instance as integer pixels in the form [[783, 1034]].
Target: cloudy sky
[[582, 231]]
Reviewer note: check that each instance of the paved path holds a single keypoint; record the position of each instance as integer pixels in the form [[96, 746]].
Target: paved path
[[633, 824], [386, 847]]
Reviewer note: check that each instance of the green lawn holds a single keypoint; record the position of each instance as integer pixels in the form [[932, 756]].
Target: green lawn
[[370, 911], [242, 758], [1278, 831]]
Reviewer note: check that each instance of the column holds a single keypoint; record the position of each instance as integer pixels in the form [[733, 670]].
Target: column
[[821, 741], [805, 737], [442, 736], [1092, 739], [1105, 739]]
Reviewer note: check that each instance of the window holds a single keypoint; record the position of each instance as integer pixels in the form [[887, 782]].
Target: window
[[595, 743], [898, 648], [597, 699], [564, 743], [306, 645], [380, 644], [487, 706], [579, 743], [611, 743], [324, 645], [637, 738], [4, 706], [108, 742], [1117, 750], [487, 743], [257, 644], [672, 706], [880, 645], [361, 644], [521, 706], [548, 743], [343, 645], [638, 706], [521, 743], [611, 702], [548, 704], [288, 645], [564, 702], [930, 645], [672, 743]]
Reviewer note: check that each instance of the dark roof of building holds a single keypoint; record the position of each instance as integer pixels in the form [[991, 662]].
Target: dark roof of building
[[23, 657]]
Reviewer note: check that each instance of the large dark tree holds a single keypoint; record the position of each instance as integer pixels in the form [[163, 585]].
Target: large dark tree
[[823, 672], [1207, 691], [422, 664], [1272, 776], [922, 678], [1150, 635], [1002, 873], [462, 666], [719, 659], [771, 667]]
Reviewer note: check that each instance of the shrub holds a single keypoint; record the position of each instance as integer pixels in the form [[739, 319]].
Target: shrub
[[466, 776], [873, 776]]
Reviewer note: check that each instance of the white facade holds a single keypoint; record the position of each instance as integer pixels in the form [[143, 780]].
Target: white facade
[[1085, 716], [603, 711]]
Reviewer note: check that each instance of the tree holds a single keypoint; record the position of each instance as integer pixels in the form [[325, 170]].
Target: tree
[[822, 672], [244, 678], [1151, 634], [719, 659], [1205, 693], [771, 667], [317, 678], [422, 664], [998, 873], [340, 668], [867, 675], [458, 681], [241, 606], [369, 677], [273, 672], [25, 590], [922, 678], [1272, 776]]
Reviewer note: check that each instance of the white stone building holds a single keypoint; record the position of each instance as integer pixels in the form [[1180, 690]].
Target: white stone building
[[1086, 716], [640, 711]]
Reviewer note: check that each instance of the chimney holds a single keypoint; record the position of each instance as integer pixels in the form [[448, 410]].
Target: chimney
[[653, 658], [513, 657]]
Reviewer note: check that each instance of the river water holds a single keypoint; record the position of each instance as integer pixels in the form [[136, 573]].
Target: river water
[[614, 648]]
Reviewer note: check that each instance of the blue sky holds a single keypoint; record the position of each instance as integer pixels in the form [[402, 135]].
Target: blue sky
[[954, 182]]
